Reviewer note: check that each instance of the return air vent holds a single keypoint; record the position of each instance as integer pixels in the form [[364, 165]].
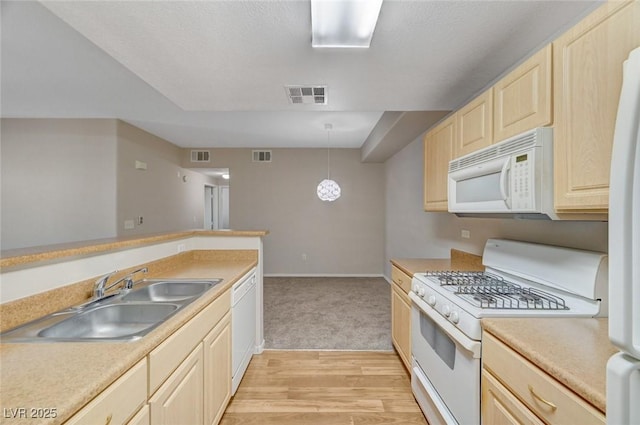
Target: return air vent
[[307, 95], [200, 156], [261, 156]]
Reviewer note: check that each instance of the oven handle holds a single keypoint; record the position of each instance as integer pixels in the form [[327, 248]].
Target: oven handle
[[454, 333]]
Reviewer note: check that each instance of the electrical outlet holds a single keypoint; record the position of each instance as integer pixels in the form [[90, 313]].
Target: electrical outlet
[[182, 247], [304, 257], [465, 234], [140, 220]]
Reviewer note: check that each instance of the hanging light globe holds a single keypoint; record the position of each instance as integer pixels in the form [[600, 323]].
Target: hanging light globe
[[328, 190]]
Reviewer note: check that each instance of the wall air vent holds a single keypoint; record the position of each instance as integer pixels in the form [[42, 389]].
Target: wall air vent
[[200, 156], [307, 95], [261, 156]]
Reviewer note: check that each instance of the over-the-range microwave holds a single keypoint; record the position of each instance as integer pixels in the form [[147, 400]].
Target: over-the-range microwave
[[510, 179]]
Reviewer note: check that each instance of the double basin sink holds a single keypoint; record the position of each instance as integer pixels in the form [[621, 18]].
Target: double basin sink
[[125, 316]]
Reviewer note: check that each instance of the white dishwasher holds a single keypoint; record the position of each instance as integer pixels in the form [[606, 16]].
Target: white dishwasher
[[243, 326]]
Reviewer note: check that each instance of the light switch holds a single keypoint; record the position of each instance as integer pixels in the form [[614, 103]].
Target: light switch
[[129, 224], [141, 165]]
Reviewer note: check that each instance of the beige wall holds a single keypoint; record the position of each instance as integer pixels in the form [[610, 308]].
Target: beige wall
[[58, 181], [67, 180], [341, 237], [412, 232], [158, 194]]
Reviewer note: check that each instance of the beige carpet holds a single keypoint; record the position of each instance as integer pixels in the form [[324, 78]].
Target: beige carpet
[[327, 313]]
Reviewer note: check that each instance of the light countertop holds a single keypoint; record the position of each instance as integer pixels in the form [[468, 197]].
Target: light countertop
[[66, 376], [459, 261], [23, 256], [574, 351]]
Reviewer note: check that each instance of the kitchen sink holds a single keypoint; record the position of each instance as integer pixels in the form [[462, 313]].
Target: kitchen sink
[[111, 321], [124, 316], [171, 291]]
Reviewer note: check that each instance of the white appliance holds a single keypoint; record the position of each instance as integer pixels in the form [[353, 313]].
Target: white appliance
[[521, 279], [243, 326], [623, 369], [513, 178]]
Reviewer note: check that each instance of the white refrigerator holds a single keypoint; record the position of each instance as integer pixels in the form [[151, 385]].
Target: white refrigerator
[[623, 369]]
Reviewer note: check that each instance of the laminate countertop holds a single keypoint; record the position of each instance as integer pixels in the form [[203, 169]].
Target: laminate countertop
[[66, 376], [573, 351], [59, 252], [459, 260]]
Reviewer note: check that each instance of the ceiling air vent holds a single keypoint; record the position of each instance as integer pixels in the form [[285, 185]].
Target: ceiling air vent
[[200, 156], [261, 156], [307, 95]]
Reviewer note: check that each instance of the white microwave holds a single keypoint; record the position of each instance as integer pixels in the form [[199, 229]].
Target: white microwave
[[511, 179]]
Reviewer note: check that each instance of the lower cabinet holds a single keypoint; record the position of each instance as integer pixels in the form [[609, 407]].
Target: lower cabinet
[[401, 315], [217, 371], [180, 399], [142, 417], [185, 380], [515, 391], [119, 402], [499, 406]]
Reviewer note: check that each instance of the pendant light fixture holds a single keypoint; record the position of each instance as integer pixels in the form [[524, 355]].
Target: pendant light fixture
[[328, 190]]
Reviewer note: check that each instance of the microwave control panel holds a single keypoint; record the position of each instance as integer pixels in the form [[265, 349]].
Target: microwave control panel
[[522, 181]]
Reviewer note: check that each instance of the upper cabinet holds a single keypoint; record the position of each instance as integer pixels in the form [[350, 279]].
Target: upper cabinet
[[522, 99], [474, 125], [438, 151], [587, 81]]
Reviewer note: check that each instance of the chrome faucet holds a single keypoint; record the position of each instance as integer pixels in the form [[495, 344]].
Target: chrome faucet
[[128, 280], [101, 287]]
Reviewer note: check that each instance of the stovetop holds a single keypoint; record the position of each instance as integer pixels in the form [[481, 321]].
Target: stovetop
[[490, 291]]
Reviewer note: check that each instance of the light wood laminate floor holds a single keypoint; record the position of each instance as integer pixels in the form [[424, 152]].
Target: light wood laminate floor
[[324, 388]]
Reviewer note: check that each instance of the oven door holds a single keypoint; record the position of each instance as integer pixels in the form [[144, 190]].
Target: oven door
[[445, 375]]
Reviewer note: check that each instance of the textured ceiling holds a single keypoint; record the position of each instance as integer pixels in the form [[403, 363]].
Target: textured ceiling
[[212, 73]]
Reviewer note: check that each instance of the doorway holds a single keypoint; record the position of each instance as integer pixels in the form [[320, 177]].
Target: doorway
[[216, 206]]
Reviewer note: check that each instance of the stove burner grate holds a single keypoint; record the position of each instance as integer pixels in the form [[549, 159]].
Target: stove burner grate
[[512, 297], [489, 291]]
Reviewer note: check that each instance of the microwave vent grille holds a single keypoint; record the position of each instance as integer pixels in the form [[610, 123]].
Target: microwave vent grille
[[524, 141]]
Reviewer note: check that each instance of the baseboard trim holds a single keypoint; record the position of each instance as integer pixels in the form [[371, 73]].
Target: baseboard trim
[[324, 275]]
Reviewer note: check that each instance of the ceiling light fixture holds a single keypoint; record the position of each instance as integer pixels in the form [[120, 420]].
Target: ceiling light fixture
[[328, 190], [343, 23]]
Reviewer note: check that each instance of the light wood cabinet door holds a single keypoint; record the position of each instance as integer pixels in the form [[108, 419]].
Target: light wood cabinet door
[[522, 99], [119, 402], [438, 151], [401, 324], [474, 125], [180, 399], [587, 81], [217, 371], [547, 398], [142, 417], [500, 407]]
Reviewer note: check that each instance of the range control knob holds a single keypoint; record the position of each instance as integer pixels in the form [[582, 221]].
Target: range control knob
[[421, 292], [455, 317], [415, 288], [431, 300], [446, 310]]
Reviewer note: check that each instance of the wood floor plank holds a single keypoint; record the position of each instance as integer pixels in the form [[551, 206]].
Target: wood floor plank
[[324, 388]]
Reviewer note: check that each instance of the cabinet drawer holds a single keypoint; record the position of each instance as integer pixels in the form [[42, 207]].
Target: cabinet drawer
[[118, 402], [167, 356], [546, 397], [401, 279]]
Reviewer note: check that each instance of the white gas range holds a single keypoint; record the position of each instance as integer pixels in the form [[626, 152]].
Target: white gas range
[[521, 279]]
